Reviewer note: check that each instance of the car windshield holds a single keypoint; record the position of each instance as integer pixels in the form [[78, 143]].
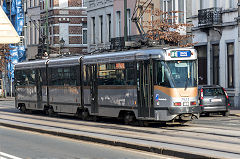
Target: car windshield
[[213, 91], [176, 74]]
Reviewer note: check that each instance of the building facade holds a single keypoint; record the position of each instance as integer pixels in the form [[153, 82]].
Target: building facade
[[216, 32], [32, 29], [106, 20], [55, 28], [100, 20]]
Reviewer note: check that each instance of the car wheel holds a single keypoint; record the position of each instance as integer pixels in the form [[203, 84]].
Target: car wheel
[[226, 113]]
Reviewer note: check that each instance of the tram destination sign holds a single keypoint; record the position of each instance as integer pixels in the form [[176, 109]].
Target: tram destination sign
[[176, 54]]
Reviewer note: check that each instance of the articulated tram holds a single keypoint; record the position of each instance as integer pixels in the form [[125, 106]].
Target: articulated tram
[[145, 85]]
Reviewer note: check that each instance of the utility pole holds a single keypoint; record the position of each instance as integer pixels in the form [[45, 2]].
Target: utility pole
[[46, 26], [125, 22]]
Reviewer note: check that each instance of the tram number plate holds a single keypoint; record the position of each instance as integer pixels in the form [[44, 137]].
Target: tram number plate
[[185, 103]]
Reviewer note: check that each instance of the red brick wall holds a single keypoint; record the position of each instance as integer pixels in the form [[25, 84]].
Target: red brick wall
[[74, 3], [75, 30], [75, 40]]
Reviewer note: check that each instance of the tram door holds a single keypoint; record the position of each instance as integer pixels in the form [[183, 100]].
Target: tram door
[[39, 88], [145, 89], [94, 89]]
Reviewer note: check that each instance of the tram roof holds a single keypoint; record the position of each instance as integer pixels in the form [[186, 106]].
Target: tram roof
[[69, 61], [124, 56], [31, 64]]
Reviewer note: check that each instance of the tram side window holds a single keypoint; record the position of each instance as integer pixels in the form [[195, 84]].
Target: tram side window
[[64, 76], [116, 74], [86, 75], [25, 77], [161, 77], [43, 76]]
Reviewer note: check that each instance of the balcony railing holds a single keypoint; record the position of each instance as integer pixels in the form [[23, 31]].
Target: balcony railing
[[119, 43], [209, 17]]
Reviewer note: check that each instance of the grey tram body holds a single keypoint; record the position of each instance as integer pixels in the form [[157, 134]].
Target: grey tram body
[[99, 100]]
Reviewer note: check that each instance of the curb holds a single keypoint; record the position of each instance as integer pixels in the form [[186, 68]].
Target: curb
[[238, 115], [157, 150]]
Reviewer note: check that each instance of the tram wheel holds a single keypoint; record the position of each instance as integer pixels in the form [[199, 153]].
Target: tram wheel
[[23, 109], [128, 118], [143, 123], [85, 115], [226, 113], [50, 111]]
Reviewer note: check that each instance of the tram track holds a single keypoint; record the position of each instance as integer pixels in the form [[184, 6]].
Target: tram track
[[131, 128], [179, 136], [142, 139]]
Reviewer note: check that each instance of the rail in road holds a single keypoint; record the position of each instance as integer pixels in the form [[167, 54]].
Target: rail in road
[[206, 140]]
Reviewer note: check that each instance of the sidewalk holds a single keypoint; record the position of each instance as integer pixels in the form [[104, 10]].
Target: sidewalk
[[234, 112], [7, 99]]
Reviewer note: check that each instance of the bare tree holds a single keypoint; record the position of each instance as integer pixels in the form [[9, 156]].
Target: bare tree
[[161, 27], [4, 57]]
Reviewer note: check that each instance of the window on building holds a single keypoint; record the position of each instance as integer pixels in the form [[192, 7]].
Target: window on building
[[152, 13], [38, 31], [29, 32], [51, 3], [201, 4], [109, 25], [215, 3], [84, 36], [215, 49], [169, 7], [231, 3], [42, 4], [101, 29], [93, 31], [129, 22], [181, 9], [165, 8], [34, 32], [230, 64], [118, 24], [174, 9], [202, 64]]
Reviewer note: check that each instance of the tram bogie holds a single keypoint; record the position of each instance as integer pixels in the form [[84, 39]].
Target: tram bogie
[[153, 85]]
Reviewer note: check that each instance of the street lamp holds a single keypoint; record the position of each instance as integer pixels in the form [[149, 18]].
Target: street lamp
[[61, 44]]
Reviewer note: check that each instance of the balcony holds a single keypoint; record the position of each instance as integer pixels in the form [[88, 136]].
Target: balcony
[[210, 17], [119, 43]]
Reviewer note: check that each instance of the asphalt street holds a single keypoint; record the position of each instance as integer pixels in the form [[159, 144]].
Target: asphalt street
[[217, 134], [28, 145]]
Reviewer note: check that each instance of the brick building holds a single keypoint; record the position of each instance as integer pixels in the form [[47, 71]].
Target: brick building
[[63, 27]]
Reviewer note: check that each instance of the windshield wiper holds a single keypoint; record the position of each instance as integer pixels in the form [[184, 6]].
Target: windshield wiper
[[186, 83]]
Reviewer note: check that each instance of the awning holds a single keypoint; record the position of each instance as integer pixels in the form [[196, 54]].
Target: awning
[[8, 34]]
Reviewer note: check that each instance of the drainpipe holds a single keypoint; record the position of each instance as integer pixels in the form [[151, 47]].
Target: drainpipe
[[238, 85], [125, 21]]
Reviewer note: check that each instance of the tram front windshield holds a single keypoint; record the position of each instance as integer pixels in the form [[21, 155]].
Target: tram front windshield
[[176, 74]]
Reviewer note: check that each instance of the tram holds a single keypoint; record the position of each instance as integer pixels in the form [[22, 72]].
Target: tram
[[150, 85]]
